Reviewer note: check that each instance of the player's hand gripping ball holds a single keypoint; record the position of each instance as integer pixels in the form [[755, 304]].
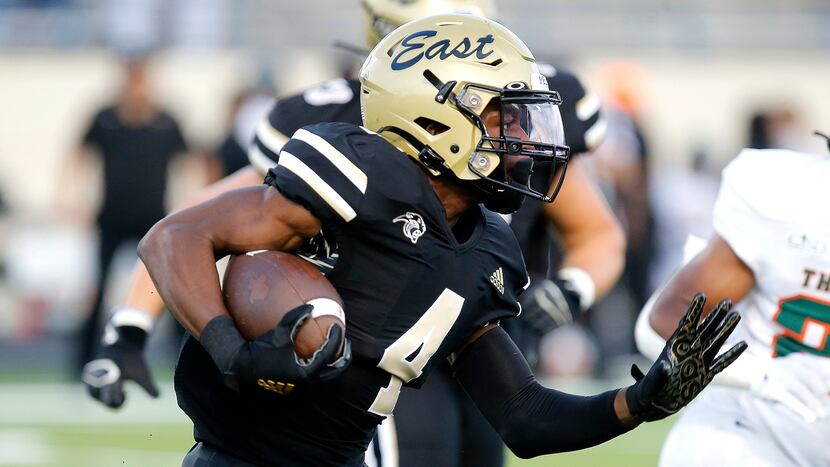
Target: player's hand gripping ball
[[687, 363], [261, 288]]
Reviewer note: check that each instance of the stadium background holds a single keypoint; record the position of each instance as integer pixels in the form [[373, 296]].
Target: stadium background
[[703, 68]]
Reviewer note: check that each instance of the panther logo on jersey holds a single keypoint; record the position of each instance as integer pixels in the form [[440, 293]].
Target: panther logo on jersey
[[413, 225]]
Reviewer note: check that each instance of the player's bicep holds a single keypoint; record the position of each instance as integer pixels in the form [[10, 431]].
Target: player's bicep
[[716, 271], [252, 218], [474, 337]]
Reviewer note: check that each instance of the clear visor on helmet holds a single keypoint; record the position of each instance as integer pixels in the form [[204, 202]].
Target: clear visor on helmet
[[531, 140], [533, 121]]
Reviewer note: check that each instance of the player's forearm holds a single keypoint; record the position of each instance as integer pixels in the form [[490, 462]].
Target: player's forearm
[[601, 254], [182, 265], [531, 419]]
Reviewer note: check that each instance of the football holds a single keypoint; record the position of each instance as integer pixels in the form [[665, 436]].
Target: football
[[260, 288]]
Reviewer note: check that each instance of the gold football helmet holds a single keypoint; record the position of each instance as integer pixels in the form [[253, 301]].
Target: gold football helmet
[[426, 85], [380, 17]]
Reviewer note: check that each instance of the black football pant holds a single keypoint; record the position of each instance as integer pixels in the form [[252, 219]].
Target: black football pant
[[205, 455]]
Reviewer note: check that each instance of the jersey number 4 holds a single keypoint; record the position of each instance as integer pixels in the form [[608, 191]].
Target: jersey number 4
[[806, 323], [406, 358]]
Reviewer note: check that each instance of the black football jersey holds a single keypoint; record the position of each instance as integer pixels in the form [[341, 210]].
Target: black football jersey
[[580, 110], [412, 292]]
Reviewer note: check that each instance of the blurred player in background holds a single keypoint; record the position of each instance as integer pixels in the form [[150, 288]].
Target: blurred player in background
[[248, 108], [770, 252], [136, 141], [413, 301], [592, 239]]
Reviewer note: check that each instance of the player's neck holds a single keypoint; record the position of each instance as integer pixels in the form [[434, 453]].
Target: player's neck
[[455, 197]]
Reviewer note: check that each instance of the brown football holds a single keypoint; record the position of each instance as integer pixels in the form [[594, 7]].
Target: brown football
[[260, 288]]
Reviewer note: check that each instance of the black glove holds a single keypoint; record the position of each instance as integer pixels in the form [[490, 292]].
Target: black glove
[[270, 361], [548, 304], [687, 363], [120, 358]]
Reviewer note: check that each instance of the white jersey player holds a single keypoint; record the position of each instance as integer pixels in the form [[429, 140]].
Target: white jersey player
[[770, 252]]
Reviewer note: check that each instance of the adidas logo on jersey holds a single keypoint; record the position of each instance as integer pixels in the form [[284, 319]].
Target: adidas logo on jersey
[[497, 279]]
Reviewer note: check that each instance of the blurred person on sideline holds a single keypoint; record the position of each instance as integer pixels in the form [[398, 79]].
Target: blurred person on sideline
[[136, 141], [588, 231], [769, 253]]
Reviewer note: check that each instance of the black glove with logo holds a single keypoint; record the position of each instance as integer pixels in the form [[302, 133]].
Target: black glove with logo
[[687, 363], [270, 361], [549, 304], [120, 358]]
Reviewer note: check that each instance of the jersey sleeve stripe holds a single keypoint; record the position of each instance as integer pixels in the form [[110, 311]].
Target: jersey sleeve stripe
[[272, 139], [587, 107], [260, 162], [343, 164], [596, 134], [323, 189]]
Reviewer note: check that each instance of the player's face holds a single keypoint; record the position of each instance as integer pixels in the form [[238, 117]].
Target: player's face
[[492, 119], [495, 118]]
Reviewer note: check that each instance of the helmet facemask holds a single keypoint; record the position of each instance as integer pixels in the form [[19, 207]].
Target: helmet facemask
[[530, 144]]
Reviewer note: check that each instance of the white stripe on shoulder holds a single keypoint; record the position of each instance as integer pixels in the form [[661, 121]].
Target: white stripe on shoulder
[[596, 134], [260, 162], [270, 137], [323, 189], [343, 164], [588, 106], [368, 130]]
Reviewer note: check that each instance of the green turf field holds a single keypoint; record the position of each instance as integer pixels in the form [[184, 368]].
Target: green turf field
[[56, 425]]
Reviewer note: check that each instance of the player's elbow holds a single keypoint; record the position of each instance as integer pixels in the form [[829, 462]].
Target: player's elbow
[[519, 450], [616, 238], [518, 444], [163, 236], [517, 436], [663, 320]]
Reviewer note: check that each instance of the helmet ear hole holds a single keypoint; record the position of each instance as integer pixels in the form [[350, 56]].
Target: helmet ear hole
[[431, 126]]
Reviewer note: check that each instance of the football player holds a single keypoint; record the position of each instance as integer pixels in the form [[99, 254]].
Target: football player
[[770, 251], [120, 357], [456, 115]]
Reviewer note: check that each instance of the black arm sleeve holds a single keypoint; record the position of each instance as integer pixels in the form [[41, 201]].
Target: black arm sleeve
[[531, 419]]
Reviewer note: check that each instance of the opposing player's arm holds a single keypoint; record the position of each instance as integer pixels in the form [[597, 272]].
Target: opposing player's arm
[[719, 270], [716, 271], [187, 280]]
